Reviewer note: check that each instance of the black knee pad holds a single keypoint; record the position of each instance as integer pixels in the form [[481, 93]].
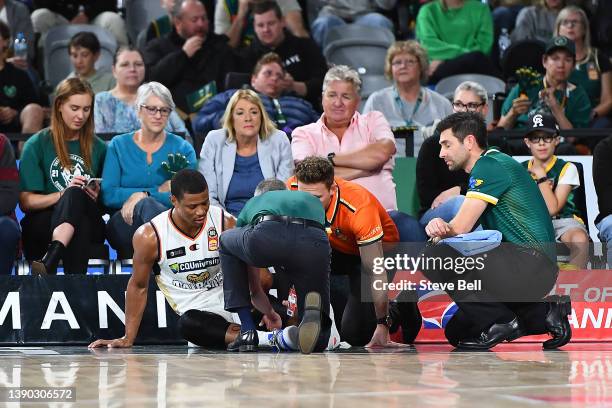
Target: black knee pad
[[203, 328]]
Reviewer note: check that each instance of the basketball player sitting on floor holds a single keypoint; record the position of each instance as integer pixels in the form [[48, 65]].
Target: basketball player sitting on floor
[[181, 247]]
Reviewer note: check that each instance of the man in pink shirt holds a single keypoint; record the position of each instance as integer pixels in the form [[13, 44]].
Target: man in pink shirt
[[361, 147]]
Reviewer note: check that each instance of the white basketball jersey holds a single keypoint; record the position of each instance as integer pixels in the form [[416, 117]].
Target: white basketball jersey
[[190, 269]]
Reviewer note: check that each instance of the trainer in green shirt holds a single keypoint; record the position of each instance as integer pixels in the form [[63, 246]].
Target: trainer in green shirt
[[501, 194], [296, 204]]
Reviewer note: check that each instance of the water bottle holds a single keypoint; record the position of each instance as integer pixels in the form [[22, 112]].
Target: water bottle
[[503, 42], [20, 47]]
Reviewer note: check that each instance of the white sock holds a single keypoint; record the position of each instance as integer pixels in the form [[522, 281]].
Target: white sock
[[265, 339]]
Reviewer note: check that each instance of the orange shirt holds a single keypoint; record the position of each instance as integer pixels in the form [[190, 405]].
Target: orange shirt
[[355, 218]]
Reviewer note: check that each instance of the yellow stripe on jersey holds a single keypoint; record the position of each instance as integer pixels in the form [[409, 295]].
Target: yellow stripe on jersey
[[482, 196], [369, 241], [564, 169]]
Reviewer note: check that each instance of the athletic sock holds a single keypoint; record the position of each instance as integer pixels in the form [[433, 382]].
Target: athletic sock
[[246, 320], [286, 339]]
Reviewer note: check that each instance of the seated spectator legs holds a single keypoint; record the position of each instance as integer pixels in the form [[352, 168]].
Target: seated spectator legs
[[410, 230], [76, 223], [44, 19], [120, 233], [31, 118], [375, 20], [605, 235], [321, 26], [114, 24], [447, 210], [9, 238], [471, 63]]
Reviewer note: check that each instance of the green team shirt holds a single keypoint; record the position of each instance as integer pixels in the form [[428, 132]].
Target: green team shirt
[[577, 107], [282, 202], [557, 170], [40, 170], [516, 206]]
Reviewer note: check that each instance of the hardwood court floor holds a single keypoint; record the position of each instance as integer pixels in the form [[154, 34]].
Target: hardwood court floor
[[428, 376]]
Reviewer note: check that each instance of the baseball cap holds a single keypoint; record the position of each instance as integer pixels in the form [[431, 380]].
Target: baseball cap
[[560, 43], [541, 122]]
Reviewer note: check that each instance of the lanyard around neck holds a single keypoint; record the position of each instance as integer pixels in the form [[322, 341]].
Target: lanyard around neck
[[400, 102]]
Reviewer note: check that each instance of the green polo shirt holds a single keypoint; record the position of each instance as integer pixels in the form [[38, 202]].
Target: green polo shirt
[[577, 107], [282, 202], [516, 206], [40, 169]]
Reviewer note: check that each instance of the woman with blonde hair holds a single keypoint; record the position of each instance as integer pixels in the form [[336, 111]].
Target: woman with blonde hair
[[246, 150], [593, 69], [407, 102], [60, 202]]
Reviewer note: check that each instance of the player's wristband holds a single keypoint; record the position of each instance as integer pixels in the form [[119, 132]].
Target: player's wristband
[[541, 180]]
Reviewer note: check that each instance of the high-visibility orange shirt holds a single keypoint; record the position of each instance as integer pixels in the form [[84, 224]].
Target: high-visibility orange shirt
[[355, 218]]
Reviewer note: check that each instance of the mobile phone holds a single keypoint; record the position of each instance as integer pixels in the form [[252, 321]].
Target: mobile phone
[[91, 181]]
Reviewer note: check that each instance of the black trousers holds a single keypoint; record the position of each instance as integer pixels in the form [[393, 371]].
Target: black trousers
[[77, 209], [302, 253], [514, 280], [471, 63]]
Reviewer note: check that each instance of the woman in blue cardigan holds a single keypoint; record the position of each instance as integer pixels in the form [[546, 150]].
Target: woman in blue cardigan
[[247, 150], [135, 184]]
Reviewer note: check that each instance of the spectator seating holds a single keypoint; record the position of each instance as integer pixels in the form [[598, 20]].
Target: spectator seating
[[56, 59], [237, 80], [448, 85], [138, 15], [363, 48], [526, 53], [358, 32], [492, 84]]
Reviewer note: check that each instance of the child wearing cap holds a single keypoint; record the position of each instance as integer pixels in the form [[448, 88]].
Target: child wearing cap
[[557, 180]]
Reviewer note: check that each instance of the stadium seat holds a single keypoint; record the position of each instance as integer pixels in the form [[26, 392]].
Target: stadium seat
[[372, 83], [237, 80], [138, 15], [366, 56], [56, 59], [358, 32], [492, 84], [526, 53]]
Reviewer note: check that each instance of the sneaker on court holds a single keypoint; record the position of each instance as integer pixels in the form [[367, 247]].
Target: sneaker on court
[[310, 327], [285, 339], [245, 342]]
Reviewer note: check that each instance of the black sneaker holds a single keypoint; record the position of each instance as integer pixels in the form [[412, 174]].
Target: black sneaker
[[310, 327], [245, 342], [557, 324]]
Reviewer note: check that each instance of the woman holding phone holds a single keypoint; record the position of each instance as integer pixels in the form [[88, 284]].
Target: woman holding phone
[[63, 215]]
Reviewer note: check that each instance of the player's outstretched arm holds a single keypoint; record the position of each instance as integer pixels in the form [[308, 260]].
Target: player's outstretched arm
[[380, 337], [145, 254]]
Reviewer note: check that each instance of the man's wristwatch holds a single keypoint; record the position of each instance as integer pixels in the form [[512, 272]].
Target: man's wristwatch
[[541, 180], [385, 321], [330, 157]]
